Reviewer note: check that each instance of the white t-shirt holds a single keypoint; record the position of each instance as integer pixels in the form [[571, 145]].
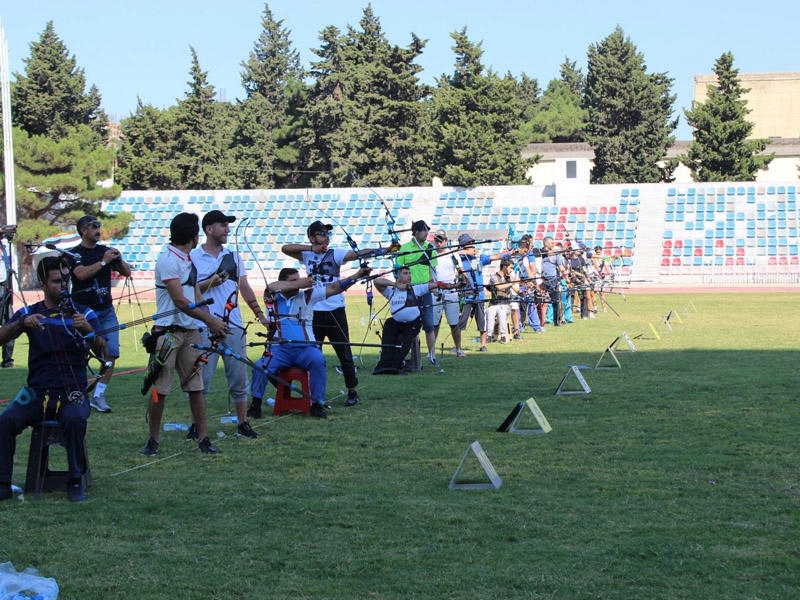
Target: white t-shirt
[[173, 264], [404, 307]]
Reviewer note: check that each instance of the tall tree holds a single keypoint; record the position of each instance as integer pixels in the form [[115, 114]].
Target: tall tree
[[365, 108], [61, 153], [560, 116], [147, 156], [51, 96], [201, 132], [475, 118], [265, 144], [630, 121], [721, 150]]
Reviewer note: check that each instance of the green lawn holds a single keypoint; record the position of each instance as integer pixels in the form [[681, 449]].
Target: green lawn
[[677, 477]]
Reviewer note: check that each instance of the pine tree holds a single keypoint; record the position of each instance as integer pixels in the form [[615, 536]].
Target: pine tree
[[721, 150], [203, 131], [147, 156], [560, 116], [60, 149], [266, 147], [51, 96], [630, 122], [474, 123], [364, 112]]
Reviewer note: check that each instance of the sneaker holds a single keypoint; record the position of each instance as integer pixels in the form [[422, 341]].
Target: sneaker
[[5, 491], [99, 404], [192, 433], [254, 410], [206, 447], [318, 411], [150, 448], [517, 336], [244, 430], [433, 361], [76, 492], [352, 398], [484, 349], [9, 364], [460, 353]]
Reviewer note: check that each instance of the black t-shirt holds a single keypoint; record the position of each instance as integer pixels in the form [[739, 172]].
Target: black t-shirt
[[94, 292]]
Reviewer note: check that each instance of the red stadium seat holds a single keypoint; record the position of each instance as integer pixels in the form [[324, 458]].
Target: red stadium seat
[[698, 252], [773, 260], [667, 243], [603, 210], [676, 262], [729, 261], [678, 244], [740, 252], [666, 252], [612, 210], [719, 243], [664, 262]]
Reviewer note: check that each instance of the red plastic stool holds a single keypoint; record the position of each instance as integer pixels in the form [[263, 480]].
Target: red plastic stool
[[284, 400]]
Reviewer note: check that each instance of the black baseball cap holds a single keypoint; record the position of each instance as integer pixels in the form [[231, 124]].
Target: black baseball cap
[[216, 216], [419, 226], [317, 227]]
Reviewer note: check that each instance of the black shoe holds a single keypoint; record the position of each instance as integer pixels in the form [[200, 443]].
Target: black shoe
[[150, 448], [76, 492], [5, 491], [254, 410], [206, 447], [192, 433], [352, 398], [9, 364], [318, 411], [244, 430]]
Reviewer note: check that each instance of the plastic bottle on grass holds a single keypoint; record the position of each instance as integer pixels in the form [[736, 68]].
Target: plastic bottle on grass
[[176, 427], [229, 419], [25, 585]]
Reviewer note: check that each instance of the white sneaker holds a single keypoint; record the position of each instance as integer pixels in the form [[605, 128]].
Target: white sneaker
[[99, 404]]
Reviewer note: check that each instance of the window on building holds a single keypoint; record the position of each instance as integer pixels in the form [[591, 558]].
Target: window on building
[[572, 169]]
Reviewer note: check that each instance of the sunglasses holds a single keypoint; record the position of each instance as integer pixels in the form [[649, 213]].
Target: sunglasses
[[96, 225], [322, 233]]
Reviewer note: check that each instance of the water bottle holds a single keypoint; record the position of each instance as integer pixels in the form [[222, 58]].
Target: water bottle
[[229, 419], [176, 427], [271, 401]]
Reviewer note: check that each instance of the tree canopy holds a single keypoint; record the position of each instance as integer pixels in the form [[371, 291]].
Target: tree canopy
[[721, 150], [630, 121]]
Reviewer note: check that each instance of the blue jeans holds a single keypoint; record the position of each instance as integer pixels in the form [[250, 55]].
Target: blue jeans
[[304, 356]]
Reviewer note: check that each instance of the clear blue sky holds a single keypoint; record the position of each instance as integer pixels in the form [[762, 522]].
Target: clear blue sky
[[131, 48]]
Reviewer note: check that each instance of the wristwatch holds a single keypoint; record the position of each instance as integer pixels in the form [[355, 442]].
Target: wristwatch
[[102, 264]]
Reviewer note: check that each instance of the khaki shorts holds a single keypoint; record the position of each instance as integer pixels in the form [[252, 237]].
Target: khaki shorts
[[447, 303], [181, 359]]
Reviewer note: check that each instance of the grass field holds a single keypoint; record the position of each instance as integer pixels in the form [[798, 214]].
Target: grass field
[[677, 477]]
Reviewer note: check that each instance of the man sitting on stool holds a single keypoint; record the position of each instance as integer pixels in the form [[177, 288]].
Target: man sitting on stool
[[297, 347], [56, 374]]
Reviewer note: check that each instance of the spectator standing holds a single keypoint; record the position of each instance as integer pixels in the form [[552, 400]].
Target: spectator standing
[[176, 292], [447, 301], [472, 263], [222, 277], [91, 285], [420, 257]]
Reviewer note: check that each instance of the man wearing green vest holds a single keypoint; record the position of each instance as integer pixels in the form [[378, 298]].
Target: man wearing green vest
[[420, 257]]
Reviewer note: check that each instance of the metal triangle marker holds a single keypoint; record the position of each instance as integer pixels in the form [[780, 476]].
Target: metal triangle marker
[[494, 479]]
